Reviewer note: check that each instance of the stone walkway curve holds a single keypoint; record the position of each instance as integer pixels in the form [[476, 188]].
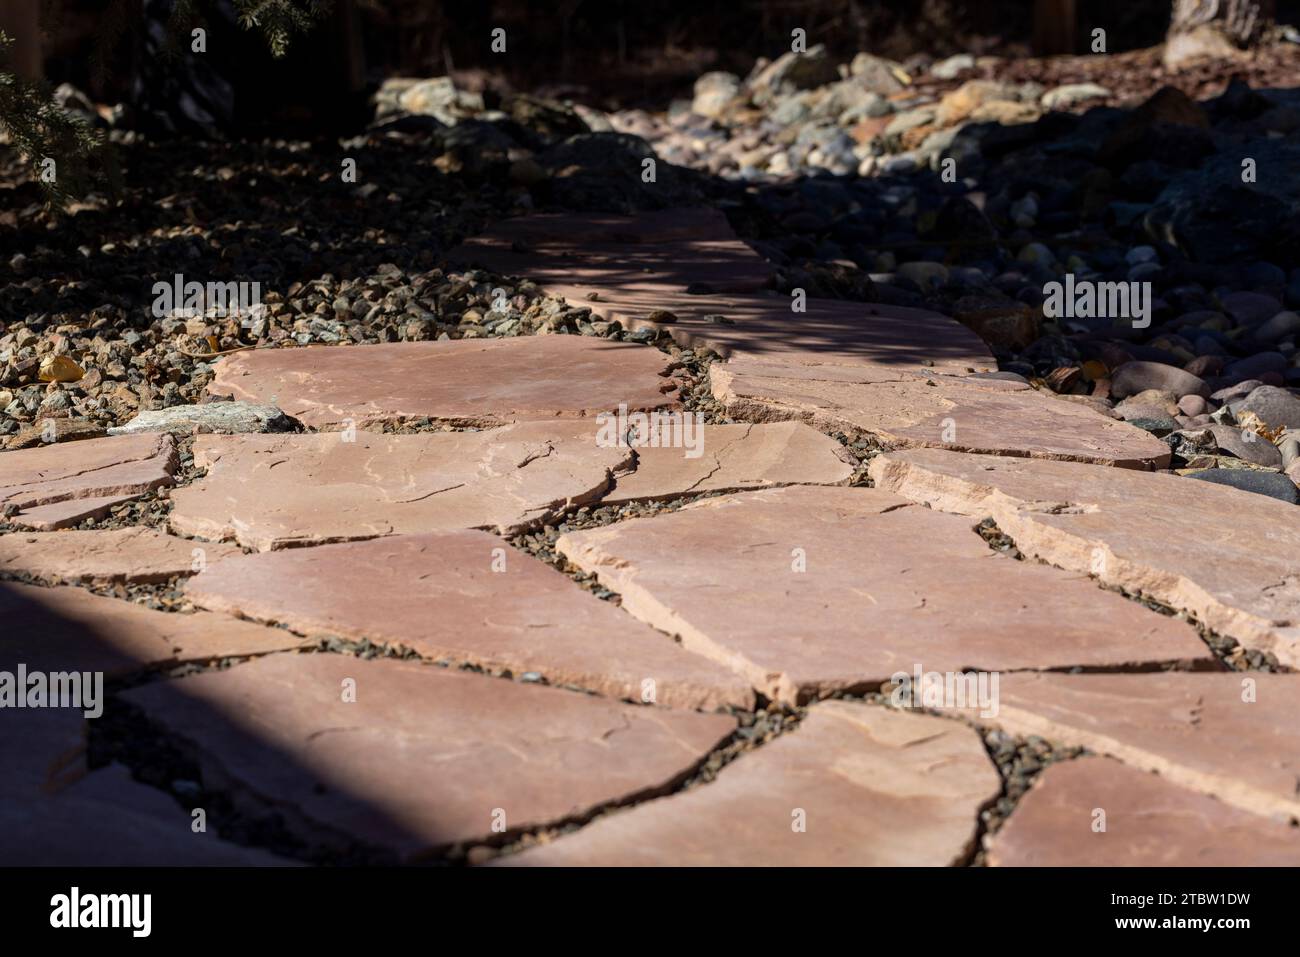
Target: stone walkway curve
[[459, 616]]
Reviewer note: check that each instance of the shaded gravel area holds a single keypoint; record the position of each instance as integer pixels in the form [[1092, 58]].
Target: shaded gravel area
[[971, 185], [81, 338]]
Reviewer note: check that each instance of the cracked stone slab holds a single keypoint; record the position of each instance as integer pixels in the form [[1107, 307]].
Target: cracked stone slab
[[1225, 556], [468, 382], [106, 819], [422, 757], [905, 409], [1200, 731], [135, 554], [270, 492], [495, 607], [1148, 823], [733, 458], [65, 514], [871, 787], [809, 590], [65, 627], [54, 486], [763, 328]]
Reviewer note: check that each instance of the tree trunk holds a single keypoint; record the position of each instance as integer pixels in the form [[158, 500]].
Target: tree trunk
[[1055, 27], [1241, 21], [20, 19], [1214, 29]]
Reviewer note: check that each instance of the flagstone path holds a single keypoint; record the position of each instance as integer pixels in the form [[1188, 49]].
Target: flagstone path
[[457, 617]]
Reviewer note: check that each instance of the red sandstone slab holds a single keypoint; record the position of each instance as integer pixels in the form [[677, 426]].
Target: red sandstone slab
[[274, 491], [853, 785], [133, 554], [642, 265], [725, 265], [419, 758], [763, 328], [644, 229], [109, 820], [60, 484], [885, 587], [468, 382], [1225, 556], [733, 458], [468, 597], [62, 628], [65, 514], [1147, 822], [1235, 736], [41, 749], [53, 810], [904, 410]]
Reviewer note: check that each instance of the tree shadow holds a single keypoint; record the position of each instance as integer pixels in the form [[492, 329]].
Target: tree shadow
[[112, 788]]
